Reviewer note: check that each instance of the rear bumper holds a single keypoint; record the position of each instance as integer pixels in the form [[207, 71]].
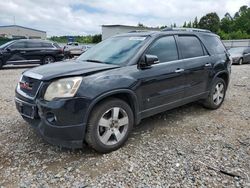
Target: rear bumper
[[59, 122]]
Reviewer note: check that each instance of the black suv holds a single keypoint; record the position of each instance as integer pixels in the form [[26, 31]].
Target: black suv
[[99, 97], [27, 51]]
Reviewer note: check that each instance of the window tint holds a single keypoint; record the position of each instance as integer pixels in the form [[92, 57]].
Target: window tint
[[190, 46], [34, 44], [20, 44], [165, 49], [56, 45], [214, 44], [47, 45]]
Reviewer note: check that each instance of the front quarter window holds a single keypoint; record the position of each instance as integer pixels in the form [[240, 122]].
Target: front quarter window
[[116, 50]]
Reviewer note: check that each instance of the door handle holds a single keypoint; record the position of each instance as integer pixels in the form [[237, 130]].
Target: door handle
[[208, 65], [179, 70], [23, 52]]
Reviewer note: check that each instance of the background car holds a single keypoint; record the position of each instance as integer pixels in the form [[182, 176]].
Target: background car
[[30, 51], [240, 55], [74, 49]]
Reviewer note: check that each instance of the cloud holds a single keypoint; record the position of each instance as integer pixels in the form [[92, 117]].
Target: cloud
[[78, 17]]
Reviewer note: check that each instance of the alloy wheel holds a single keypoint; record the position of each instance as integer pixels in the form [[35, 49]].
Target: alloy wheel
[[48, 60], [113, 126], [218, 94]]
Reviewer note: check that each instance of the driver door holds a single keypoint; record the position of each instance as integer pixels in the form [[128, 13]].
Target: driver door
[[15, 52], [163, 84]]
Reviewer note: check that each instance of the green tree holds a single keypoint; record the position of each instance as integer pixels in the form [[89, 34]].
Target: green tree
[[195, 23], [189, 25], [210, 21], [227, 23], [185, 24]]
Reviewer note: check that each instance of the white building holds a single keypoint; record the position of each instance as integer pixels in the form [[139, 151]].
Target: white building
[[111, 30], [16, 31]]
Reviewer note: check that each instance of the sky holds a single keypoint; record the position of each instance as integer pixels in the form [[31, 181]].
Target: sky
[[83, 17]]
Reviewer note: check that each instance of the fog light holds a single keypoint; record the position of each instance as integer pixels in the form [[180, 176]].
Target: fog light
[[51, 117]]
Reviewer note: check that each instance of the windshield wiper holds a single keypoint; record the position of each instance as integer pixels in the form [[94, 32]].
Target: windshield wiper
[[93, 60]]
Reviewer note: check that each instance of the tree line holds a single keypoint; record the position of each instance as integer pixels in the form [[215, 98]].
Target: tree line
[[229, 27], [81, 39]]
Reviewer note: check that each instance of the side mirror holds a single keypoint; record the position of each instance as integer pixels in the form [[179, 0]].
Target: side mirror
[[149, 60]]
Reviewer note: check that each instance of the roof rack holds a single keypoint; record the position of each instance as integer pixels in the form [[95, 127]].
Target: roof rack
[[186, 29], [138, 31]]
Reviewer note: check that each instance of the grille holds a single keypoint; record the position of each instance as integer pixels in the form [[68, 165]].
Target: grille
[[29, 86]]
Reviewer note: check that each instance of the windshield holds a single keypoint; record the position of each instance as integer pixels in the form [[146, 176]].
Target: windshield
[[116, 50], [6, 44], [236, 50]]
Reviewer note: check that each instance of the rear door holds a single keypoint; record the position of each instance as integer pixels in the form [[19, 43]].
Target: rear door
[[197, 62], [33, 51], [161, 84]]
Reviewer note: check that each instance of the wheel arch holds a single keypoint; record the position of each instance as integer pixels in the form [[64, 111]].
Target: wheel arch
[[223, 75], [123, 94]]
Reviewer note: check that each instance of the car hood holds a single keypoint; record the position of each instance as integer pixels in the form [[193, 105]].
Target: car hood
[[69, 68]]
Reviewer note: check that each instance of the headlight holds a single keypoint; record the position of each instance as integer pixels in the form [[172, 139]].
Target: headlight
[[62, 88]]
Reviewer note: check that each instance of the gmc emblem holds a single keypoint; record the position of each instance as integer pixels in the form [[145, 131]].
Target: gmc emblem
[[25, 85]]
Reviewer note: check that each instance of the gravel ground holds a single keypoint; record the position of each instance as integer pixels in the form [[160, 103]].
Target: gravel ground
[[185, 147]]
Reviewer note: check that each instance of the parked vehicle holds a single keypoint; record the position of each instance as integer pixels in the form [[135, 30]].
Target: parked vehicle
[[29, 51], [73, 49], [99, 97], [240, 55]]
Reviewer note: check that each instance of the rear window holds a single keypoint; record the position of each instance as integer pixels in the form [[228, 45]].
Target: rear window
[[190, 46], [214, 44]]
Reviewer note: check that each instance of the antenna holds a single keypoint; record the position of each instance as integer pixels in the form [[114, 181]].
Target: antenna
[[14, 20]]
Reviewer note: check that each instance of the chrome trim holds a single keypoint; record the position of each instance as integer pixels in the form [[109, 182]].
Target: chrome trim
[[208, 65], [179, 60], [19, 91], [21, 61], [179, 70], [33, 75]]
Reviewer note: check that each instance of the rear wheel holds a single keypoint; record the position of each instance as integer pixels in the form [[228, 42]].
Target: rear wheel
[[216, 95], [48, 60], [109, 125]]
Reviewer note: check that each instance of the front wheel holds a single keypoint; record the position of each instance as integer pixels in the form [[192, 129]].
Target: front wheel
[[216, 95], [109, 125], [1, 64], [240, 61]]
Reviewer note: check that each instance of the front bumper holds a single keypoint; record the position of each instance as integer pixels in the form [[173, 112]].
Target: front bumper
[[235, 60], [60, 122]]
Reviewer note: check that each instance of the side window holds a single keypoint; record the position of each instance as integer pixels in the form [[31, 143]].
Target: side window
[[164, 48], [47, 45], [56, 45], [16, 45], [190, 46], [33, 44], [214, 44]]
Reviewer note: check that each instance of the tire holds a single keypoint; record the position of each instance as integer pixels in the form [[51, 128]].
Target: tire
[[109, 135], [240, 61], [48, 60], [216, 95], [1, 64]]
